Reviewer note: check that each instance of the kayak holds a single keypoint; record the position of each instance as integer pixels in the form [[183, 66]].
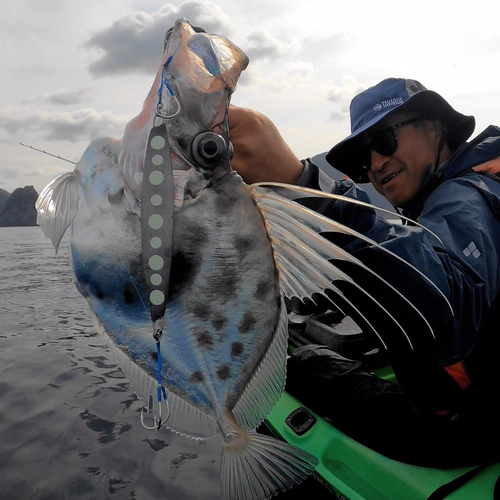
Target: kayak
[[351, 471]]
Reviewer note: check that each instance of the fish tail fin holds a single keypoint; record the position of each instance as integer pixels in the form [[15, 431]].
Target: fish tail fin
[[262, 467]]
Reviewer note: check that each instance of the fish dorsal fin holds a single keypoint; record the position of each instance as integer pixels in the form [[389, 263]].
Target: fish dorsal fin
[[266, 384], [310, 264], [283, 193], [183, 418], [57, 206]]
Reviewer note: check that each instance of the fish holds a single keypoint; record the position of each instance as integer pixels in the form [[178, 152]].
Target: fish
[[189, 272]]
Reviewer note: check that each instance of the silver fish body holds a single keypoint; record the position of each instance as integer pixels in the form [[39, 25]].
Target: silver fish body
[[224, 295], [223, 348]]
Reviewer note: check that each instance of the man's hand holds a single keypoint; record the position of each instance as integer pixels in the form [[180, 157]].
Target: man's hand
[[260, 153]]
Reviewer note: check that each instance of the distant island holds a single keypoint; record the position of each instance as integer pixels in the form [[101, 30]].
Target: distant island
[[18, 208], [4, 195]]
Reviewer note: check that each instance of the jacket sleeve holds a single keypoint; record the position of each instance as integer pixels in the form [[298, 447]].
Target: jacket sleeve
[[463, 212]]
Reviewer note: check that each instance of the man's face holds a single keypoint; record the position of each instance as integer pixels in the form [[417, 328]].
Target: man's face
[[399, 176]]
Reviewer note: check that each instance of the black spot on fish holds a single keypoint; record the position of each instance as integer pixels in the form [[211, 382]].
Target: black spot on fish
[[236, 349], [263, 288], [204, 339], [154, 355], [186, 261], [223, 372], [183, 271], [200, 310], [219, 321], [129, 295], [243, 245], [99, 293], [247, 322], [197, 377]]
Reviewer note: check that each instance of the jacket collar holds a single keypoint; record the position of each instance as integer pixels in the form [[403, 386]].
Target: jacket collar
[[482, 148]]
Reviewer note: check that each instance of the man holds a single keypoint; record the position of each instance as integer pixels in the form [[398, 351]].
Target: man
[[411, 145]]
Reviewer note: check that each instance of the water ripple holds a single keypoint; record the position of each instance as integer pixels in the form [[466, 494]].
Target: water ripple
[[69, 421]]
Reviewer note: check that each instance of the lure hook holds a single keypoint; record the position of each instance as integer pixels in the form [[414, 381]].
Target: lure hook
[[164, 84], [158, 423], [159, 107]]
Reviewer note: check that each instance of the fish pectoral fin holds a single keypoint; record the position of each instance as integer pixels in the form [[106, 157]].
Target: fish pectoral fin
[[311, 266], [57, 206], [267, 382]]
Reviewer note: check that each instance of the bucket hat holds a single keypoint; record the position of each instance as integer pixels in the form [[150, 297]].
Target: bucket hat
[[372, 105]]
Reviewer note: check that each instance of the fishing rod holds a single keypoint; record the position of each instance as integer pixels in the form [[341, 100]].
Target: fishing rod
[[45, 152]]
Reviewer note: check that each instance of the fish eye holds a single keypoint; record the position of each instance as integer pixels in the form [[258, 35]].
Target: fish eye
[[208, 148]]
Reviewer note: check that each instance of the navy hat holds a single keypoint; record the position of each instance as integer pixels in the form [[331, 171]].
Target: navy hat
[[375, 103]]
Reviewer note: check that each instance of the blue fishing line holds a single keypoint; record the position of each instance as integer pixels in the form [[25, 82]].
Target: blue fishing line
[[160, 388], [161, 87], [169, 88], [164, 81]]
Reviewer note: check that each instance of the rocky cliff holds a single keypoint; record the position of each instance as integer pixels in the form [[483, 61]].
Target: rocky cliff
[[19, 209], [4, 195]]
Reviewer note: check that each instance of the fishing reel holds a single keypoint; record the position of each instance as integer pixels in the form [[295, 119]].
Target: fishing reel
[[208, 148]]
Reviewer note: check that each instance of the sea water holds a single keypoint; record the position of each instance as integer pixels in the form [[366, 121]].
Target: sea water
[[69, 420]]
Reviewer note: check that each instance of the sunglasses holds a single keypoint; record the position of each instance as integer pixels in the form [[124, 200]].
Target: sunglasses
[[385, 141]]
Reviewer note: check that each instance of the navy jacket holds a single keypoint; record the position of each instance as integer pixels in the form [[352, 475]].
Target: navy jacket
[[462, 208]]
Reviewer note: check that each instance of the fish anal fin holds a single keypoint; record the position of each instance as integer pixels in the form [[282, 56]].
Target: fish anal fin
[[183, 418], [265, 386]]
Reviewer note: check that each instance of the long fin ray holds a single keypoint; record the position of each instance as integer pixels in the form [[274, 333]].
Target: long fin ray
[[318, 282], [327, 250], [307, 261], [320, 223], [296, 192]]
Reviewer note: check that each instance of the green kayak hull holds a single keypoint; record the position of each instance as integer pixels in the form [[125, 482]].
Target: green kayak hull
[[352, 471]]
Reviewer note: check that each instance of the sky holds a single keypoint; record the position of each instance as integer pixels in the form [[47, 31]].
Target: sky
[[73, 71]]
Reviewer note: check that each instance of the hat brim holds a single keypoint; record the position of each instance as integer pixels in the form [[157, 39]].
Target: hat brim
[[349, 156]]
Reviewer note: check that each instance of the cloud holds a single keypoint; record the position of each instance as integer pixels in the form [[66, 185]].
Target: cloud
[[10, 172], [134, 43], [300, 69], [335, 116], [342, 94], [251, 76], [345, 90], [262, 44], [68, 97], [70, 126]]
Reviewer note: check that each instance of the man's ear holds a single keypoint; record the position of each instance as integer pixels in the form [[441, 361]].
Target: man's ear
[[438, 128]]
